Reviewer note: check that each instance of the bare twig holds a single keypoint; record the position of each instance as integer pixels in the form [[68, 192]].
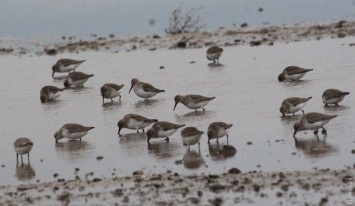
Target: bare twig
[[180, 23]]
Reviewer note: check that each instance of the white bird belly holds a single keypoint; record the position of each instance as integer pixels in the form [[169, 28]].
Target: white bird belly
[[295, 76], [316, 125], [23, 150], [53, 95], [214, 56], [134, 124], [112, 94], [68, 68], [191, 140], [192, 105], [297, 108], [75, 135], [167, 133], [222, 132], [78, 82], [333, 101], [141, 93]]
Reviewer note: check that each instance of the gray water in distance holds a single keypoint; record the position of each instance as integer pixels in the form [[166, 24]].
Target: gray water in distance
[[247, 92], [38, 19]]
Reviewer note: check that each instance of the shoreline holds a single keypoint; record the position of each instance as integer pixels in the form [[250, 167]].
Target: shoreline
[[320, 187], [245, 35]]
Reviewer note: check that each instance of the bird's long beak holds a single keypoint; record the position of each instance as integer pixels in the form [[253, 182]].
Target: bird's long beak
[[294, 134], [175, 105], [53, 74], [130, 89], [119, 130]]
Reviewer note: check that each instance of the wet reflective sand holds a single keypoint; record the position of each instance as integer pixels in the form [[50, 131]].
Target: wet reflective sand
[[247, 92]]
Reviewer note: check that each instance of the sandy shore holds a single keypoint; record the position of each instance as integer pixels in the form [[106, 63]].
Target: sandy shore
[[317, 187], [244, 35]]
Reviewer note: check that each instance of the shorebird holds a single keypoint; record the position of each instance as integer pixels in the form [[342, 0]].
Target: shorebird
[[110, 91], [293, 104], [213, 53], [312, 121], [49, 93], [192, 101], [133, 121], [191, 136], [333, 96], [71, 131], [217, 130], [293, 73], [23, 146], [77, 79], [163, 129], [66, 65], [144, 90]]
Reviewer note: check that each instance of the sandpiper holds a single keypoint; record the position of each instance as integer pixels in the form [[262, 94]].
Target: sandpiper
[[77, 79], [333, 96], [292, 105], [72, 131], [192, 101], [217, 130], [163, 129], [191, 136], [110, 91], [312, 121], [49, 93], [144, 90], [23, 146], [66, 65], [134, 121], [213, 53], [293, 73]]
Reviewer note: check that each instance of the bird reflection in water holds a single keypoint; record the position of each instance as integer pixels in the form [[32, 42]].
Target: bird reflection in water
[[220, 152], [315, 147], [163, 149], [149, 103], [110, 105], [73, 148], [196, 116], [132, 138], [193, 159], [215, 66], [24, 172]]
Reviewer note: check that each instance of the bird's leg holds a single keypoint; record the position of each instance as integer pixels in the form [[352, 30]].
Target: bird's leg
[[143, 129], [317, 138], [17, 158], [195, 110], [167, 139], [203, 109], [324, 131], [28, 158], [302, 111], [208, 142], [111, 100], [21, 159], [217, 140], [137, 131], [148, 140], [120, 97], [227, 140], [293, 113], [315, 132], [80, 139]]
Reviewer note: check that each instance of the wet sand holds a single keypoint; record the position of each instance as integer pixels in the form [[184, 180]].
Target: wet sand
[[317, 187], [244, 35]]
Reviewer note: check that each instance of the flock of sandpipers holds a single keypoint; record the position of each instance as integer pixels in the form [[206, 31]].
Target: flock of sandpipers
[[163, 129]]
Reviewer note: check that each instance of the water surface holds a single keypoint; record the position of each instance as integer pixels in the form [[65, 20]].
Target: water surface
[[247, 95]]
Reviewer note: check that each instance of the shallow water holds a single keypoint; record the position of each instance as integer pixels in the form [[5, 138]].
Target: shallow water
[[247, 92]]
